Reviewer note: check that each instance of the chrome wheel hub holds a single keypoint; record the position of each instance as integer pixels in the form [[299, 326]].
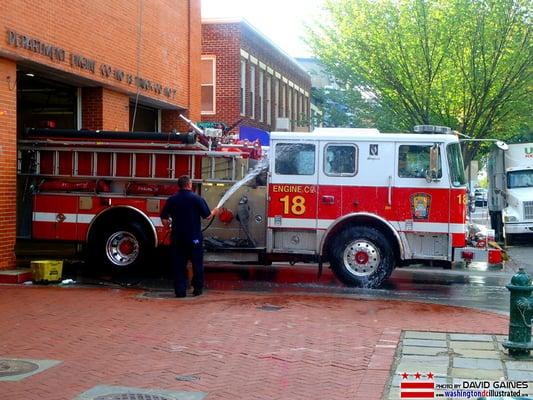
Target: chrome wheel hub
[[361, 257], [122, 248]]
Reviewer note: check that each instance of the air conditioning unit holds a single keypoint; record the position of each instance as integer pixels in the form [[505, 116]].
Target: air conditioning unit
[[282, 124]]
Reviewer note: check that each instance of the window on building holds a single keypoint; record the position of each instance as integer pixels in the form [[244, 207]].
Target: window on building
[[147, 119], [413, 161], [289, 108], [295, 107], [295, 159], [269, 100], [300, 107], [252, 91], [208, 77], [243, 87], [45, 103], [282, 101], [340, 160], [276, 101], [261, 94]]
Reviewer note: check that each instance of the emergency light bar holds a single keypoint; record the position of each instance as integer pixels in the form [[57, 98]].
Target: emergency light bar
[[432, 129]]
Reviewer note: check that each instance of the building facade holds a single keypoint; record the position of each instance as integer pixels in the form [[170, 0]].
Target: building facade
[[122, 65], [246, 77]]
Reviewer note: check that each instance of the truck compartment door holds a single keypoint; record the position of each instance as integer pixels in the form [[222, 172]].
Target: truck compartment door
[[55, 217]]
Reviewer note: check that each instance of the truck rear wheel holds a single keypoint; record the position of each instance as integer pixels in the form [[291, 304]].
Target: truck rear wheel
[[119, 247], [509, 239], [362, 256]]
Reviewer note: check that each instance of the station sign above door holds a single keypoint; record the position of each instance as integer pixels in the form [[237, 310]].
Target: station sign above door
[[59, 55]]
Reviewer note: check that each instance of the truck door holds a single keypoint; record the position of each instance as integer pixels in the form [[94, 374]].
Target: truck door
[[369, 190], [421, 205], [338, 164], [292, 203]]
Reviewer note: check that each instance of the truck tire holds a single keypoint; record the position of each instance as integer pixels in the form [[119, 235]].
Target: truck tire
[[509, 239], [361, 256], [120, 247]]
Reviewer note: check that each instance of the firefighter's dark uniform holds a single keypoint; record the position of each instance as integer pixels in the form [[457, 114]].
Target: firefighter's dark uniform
[[186, 208]]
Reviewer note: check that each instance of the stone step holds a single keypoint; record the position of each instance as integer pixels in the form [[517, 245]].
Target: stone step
[[15, 275]]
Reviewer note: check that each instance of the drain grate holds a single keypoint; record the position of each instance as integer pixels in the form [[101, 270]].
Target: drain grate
[[269, 307], [105, 392], [16, 367], [132, 396], [187, 378]]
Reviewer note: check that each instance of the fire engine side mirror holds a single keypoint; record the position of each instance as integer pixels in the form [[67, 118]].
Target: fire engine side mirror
[[432, 173]]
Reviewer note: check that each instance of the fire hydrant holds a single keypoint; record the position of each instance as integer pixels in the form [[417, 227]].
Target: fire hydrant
[[519, 342]]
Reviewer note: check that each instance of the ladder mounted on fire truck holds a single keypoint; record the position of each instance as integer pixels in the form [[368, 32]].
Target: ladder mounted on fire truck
[[125, 156]]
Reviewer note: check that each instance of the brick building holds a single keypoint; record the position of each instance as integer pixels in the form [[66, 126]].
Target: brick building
[[245, 76], [120, 65]]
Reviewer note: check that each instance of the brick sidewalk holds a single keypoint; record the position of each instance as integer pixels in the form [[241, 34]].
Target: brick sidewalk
[[227, 343]]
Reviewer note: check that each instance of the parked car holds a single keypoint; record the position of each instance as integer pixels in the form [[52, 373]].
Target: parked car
[[471, 202], [481, 197]]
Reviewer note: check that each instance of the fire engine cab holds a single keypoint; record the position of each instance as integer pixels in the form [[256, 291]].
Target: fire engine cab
[[362, 200]]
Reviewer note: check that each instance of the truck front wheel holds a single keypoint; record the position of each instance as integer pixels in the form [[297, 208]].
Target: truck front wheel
[[119, 247], [361, 256]]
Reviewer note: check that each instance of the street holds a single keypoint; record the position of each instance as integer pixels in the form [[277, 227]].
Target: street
[[274, 332]]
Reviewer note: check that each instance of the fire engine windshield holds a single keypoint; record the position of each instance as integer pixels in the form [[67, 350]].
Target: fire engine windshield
[[455, 162]]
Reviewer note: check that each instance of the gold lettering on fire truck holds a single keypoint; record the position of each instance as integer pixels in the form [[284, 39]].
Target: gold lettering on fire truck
[[293, 189], [420, 204]]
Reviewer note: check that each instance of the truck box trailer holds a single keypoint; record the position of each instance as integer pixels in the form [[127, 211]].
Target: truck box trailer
[[510, 196]]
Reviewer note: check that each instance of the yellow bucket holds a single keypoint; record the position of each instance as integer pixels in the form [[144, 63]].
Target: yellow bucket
[[47, 270]]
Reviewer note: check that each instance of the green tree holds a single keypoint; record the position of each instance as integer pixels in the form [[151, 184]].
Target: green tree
[[466, 64]]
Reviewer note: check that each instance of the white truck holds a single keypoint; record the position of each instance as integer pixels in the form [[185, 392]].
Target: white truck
[[510, 197]]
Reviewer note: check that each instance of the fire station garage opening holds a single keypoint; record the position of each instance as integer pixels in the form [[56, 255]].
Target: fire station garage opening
[[143, 118], [41, 103], [45, 103]]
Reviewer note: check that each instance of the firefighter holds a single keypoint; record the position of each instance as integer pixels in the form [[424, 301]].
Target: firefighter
[[185, 209]]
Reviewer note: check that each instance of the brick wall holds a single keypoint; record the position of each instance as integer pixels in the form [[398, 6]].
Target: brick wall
[[170, 119], [105, 109], [92, 116], [116, 111], [8, 162], [195, 52], [224, 40], [159, 41], [146, 38]]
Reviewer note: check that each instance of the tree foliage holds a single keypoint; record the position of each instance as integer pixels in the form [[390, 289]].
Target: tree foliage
[[466, 64]]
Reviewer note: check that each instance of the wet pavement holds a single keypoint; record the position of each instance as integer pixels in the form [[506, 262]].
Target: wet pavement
[[472, 287]]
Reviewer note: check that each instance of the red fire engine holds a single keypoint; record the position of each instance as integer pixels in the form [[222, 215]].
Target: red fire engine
[[362, 200]]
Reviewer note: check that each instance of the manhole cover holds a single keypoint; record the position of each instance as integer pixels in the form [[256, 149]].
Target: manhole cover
[[269, 307], [16, 367], [132, 396], [187, 378]]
